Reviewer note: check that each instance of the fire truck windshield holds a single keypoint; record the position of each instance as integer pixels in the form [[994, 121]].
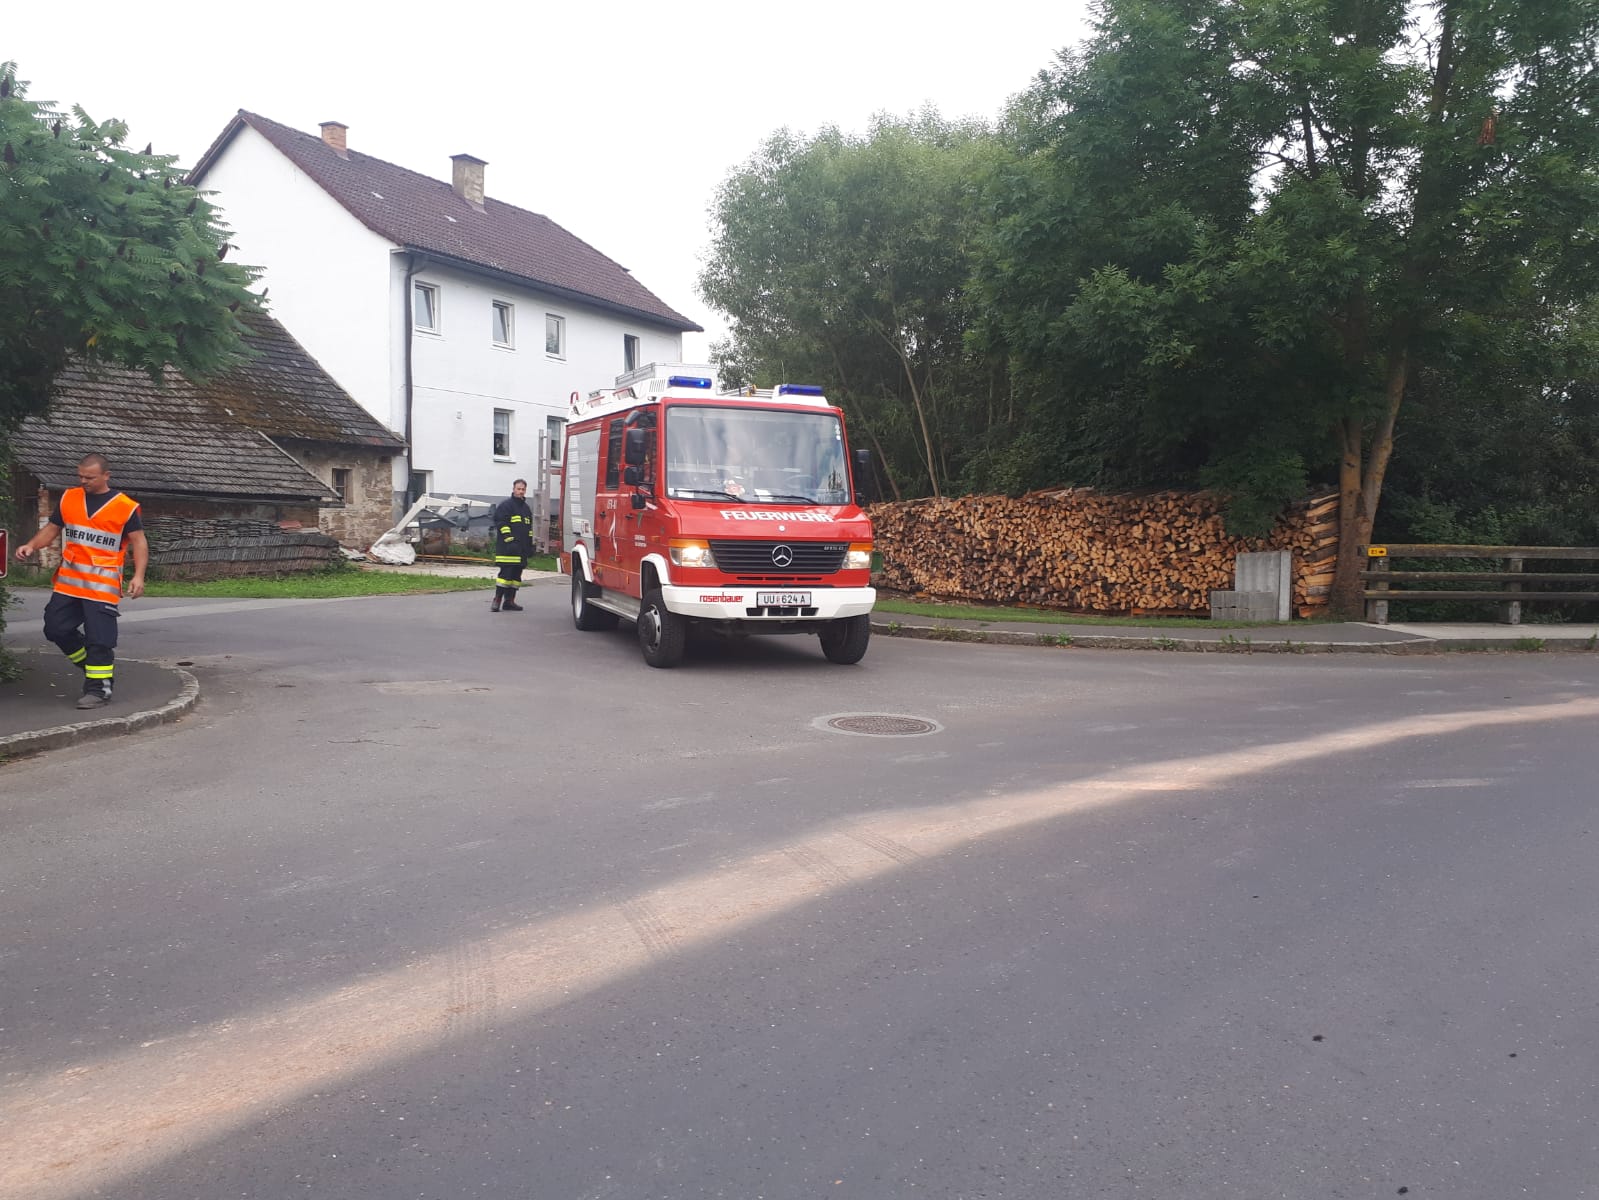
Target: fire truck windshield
[[755, 455]]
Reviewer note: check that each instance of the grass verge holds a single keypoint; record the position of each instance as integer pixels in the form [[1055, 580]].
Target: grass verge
[[317, 586], [538, 562], [1042, 616], [310, 585]]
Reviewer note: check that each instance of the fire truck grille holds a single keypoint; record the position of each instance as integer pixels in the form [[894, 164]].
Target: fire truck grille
[[779, 558]]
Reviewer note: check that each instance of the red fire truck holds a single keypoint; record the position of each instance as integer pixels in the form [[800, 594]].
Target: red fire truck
[[736, 512]]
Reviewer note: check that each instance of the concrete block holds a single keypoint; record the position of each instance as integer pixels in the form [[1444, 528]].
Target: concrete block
[[1243, 606], [1268, 571]]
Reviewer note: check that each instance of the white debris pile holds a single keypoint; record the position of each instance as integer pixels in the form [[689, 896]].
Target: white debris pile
[[392, 548], [397, 546]]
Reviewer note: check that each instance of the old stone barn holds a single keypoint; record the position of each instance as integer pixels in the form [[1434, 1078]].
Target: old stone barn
[[270, 467]]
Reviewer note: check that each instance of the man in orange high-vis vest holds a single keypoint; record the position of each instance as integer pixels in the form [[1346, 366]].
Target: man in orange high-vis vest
[[100, 527]]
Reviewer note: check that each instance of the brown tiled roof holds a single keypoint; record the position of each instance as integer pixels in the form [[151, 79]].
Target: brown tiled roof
[[283, 392], [210, 439], [425, 214]]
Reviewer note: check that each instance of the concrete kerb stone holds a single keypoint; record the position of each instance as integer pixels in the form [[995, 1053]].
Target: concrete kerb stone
[[1243, 643], [1145, 641], [37, 740]]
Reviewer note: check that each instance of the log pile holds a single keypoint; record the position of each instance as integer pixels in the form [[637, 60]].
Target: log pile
[[224, 547], [1085, 551]]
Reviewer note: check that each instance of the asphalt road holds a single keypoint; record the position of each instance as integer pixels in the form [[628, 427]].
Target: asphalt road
[[424, 902]]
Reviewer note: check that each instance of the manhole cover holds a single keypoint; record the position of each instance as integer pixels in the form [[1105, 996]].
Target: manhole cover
[[881, 725]]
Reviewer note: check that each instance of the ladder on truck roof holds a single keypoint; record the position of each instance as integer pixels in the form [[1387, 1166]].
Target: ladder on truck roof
[[665, 371], [651, 383]]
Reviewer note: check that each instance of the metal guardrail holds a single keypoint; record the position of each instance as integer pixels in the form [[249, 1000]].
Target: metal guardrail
[[1380, 577]]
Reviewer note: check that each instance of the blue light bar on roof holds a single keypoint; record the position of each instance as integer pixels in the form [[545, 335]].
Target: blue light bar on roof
[[798, 389], [693, 381]]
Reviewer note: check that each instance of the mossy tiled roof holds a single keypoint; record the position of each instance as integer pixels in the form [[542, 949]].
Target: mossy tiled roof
[[212, 438]]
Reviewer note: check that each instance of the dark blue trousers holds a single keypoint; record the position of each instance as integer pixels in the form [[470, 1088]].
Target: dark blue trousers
[[85, 630]]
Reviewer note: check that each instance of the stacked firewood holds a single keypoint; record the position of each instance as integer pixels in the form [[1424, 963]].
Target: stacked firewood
[[223, 547], [1086, 551]]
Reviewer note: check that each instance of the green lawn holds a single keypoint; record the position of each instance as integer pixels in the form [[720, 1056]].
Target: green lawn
[[539, 562], [310, 585], [318, 585]]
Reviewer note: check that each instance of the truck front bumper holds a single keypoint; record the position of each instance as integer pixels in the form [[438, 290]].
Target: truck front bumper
[[763, 604]]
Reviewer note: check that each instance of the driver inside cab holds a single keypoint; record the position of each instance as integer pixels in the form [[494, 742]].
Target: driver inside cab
[[740, 479]]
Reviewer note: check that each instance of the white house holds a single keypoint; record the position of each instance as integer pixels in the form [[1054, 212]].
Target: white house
[[461, 323]]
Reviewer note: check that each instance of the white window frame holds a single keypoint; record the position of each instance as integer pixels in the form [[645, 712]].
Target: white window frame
[[556, 324], [432, 291], [495, 308], [509, 426], [555, 435], [634, 360]]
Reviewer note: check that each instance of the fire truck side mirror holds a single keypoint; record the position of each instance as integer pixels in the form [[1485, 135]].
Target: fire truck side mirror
[[633, 476], [863, 478], [636, 447], [638, 500]]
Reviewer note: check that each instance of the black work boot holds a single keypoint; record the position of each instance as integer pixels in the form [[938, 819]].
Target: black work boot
[[511, 605], [498, 594], [95, 695]]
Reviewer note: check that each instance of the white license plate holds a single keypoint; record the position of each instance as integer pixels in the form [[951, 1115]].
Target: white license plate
[[782, 599]]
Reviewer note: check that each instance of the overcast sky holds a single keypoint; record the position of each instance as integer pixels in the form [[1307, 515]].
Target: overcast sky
[[618, 120]]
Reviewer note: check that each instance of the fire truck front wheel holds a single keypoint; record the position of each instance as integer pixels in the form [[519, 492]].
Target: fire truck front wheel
[[844, 640], [662, 634], [584, 615]]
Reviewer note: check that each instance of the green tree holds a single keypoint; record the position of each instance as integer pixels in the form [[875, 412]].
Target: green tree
[[105, 255], [1235, 235], [1502, 449], [844, 260]]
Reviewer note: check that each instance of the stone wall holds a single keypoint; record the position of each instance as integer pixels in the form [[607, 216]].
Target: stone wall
[[368, 511]]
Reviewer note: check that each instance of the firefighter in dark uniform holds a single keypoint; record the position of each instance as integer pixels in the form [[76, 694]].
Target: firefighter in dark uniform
[[513, 542]]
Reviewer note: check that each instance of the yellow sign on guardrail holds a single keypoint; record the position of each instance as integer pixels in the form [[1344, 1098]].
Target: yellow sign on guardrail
[[1376, 551]]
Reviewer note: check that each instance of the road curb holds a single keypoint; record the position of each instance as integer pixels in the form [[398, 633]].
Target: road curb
[[1233, 644], [1097, 641], [34, 741]]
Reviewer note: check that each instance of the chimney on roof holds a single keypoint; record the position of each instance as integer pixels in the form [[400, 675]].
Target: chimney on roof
[[467, 179], [333, 134]]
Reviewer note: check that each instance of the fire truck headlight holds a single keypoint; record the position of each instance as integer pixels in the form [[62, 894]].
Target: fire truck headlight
[[687, 552], [859, 556]]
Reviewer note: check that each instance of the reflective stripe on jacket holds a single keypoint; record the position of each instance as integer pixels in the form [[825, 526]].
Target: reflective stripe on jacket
[[513, 530], [91, 547]]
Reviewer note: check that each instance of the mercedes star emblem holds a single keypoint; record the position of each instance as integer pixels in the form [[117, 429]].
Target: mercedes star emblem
[[782, 556]]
